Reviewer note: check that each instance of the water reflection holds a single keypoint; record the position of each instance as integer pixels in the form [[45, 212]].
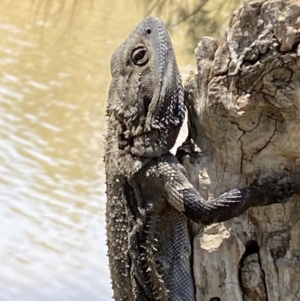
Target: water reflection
[[53, 90]]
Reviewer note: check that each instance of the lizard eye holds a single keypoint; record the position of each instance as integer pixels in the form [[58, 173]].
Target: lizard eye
[[139, 56]]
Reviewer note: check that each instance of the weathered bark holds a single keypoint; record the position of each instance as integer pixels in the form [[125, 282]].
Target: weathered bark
[[244, 116]]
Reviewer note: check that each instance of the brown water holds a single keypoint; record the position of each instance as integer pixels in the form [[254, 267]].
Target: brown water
[[54, 79]]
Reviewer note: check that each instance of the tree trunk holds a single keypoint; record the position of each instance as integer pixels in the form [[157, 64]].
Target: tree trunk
[[243, 117]]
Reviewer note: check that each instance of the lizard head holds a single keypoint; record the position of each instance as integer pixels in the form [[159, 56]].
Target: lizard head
[[146, 93]]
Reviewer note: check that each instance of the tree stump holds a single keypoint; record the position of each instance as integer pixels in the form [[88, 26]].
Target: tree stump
[[243, 108]]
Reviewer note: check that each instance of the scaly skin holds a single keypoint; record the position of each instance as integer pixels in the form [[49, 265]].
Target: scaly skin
[[145, 112], [149, 198]]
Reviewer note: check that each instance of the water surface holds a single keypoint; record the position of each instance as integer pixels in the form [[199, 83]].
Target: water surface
[[54, 78]]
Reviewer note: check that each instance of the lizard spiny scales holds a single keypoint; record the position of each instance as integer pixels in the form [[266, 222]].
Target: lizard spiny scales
[[149, 198]]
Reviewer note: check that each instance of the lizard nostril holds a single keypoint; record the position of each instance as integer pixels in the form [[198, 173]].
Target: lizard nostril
[[148, 31]]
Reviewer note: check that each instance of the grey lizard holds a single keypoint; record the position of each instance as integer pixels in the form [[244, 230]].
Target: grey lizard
[[149, 198]]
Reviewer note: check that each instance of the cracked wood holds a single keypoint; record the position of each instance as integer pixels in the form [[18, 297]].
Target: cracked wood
[[244, 115]]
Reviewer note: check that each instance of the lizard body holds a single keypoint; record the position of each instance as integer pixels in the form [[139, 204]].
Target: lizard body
[[149, 198]]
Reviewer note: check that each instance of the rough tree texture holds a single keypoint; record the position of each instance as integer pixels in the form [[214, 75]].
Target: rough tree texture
[[244, 115]]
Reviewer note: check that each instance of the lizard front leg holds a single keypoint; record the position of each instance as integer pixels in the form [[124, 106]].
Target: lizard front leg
[[164, 182], [167, 176]]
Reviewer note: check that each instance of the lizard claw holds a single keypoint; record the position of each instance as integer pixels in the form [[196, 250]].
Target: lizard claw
[[283, 175], [278, 188]]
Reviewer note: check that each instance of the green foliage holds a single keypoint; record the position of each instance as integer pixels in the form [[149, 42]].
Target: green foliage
[[196, 18]]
